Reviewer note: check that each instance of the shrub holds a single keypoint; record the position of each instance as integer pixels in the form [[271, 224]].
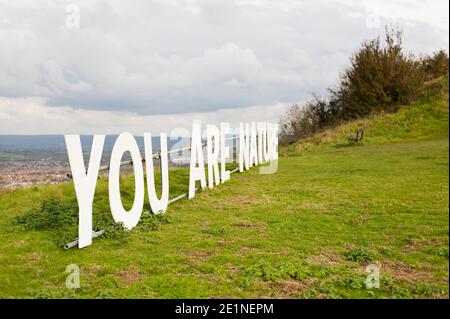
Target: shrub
[[117, 233], [380, 78], [435, 66], [61, 219], [352, 281], [152, 222], [304, 120], [51, 214], [439, 251], [215, 231], [360, 254]]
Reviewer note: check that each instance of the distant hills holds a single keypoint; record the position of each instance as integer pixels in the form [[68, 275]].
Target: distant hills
[[18, 143], [29, 147]]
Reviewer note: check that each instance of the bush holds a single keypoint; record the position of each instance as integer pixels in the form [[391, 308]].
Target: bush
[[304, 120], [51, 214], [360, 254], [435, 66], [439, 251], [117, 233], [61, 219], [380, 78], [152, 222]]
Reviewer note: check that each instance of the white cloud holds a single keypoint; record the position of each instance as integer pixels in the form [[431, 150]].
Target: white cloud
[[31, 115], [184, 56]]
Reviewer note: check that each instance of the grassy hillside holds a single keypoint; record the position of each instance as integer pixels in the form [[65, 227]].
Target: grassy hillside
[[424, 120], [308, 231]]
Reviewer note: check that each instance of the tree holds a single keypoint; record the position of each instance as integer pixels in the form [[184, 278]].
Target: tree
[[379, 78]]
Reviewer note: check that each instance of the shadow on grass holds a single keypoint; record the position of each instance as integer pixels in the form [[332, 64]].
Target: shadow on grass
[[348, 144]]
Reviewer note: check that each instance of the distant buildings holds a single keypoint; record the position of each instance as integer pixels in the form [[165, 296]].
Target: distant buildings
[[18, 174]]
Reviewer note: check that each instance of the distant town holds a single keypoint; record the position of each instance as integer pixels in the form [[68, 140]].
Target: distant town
[[17, 174], [28, 160]]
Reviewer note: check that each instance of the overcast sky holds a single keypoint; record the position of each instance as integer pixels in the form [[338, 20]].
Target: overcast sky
[[154, 65]]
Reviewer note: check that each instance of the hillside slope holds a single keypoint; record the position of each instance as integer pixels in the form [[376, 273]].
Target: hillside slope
[[309, 231], [424, 120]]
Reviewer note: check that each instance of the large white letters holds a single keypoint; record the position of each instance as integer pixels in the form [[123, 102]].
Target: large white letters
[[244, 147], [157, 205], [261, 128], [224, 151], [126, 142], [212, 145], [268, 145], [253, 146], [196, 172], [84, 182], [274, 143], [258, 143]]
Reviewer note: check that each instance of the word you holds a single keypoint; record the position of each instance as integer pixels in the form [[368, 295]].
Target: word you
[[258, 144]]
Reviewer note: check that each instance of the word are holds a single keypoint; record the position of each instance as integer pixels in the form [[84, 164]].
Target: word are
[[258, 144]]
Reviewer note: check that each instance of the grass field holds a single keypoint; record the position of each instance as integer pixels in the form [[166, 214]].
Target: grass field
[[308, 231]]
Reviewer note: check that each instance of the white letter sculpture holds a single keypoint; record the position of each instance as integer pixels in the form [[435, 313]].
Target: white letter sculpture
[[157, 205], [224, 151], [258, 144], [84, 182], [196, 173], [126, 142], [213, 149]]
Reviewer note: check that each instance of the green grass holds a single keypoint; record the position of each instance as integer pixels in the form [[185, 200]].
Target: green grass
[[308, 231]]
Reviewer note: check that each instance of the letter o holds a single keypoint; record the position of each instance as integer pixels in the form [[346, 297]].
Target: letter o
[[126, 142]]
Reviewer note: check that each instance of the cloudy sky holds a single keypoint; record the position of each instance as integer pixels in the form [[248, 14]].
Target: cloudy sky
[[155, 65]]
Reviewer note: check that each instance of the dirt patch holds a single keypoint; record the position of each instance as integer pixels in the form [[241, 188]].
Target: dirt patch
[[400, 271], [412, 245], [325, 258], [349, 246], [251, 226], [130, 275], [288, 288], [35, 257], [19, 243], [255, 251], [239, 200], [248, 250], [94, 268], [404, 272], [225, 242], [361, 219], [201, 254], [205, 226], [212, 279], [234, 269], [91, 269], [282, 251], [222, 297]]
